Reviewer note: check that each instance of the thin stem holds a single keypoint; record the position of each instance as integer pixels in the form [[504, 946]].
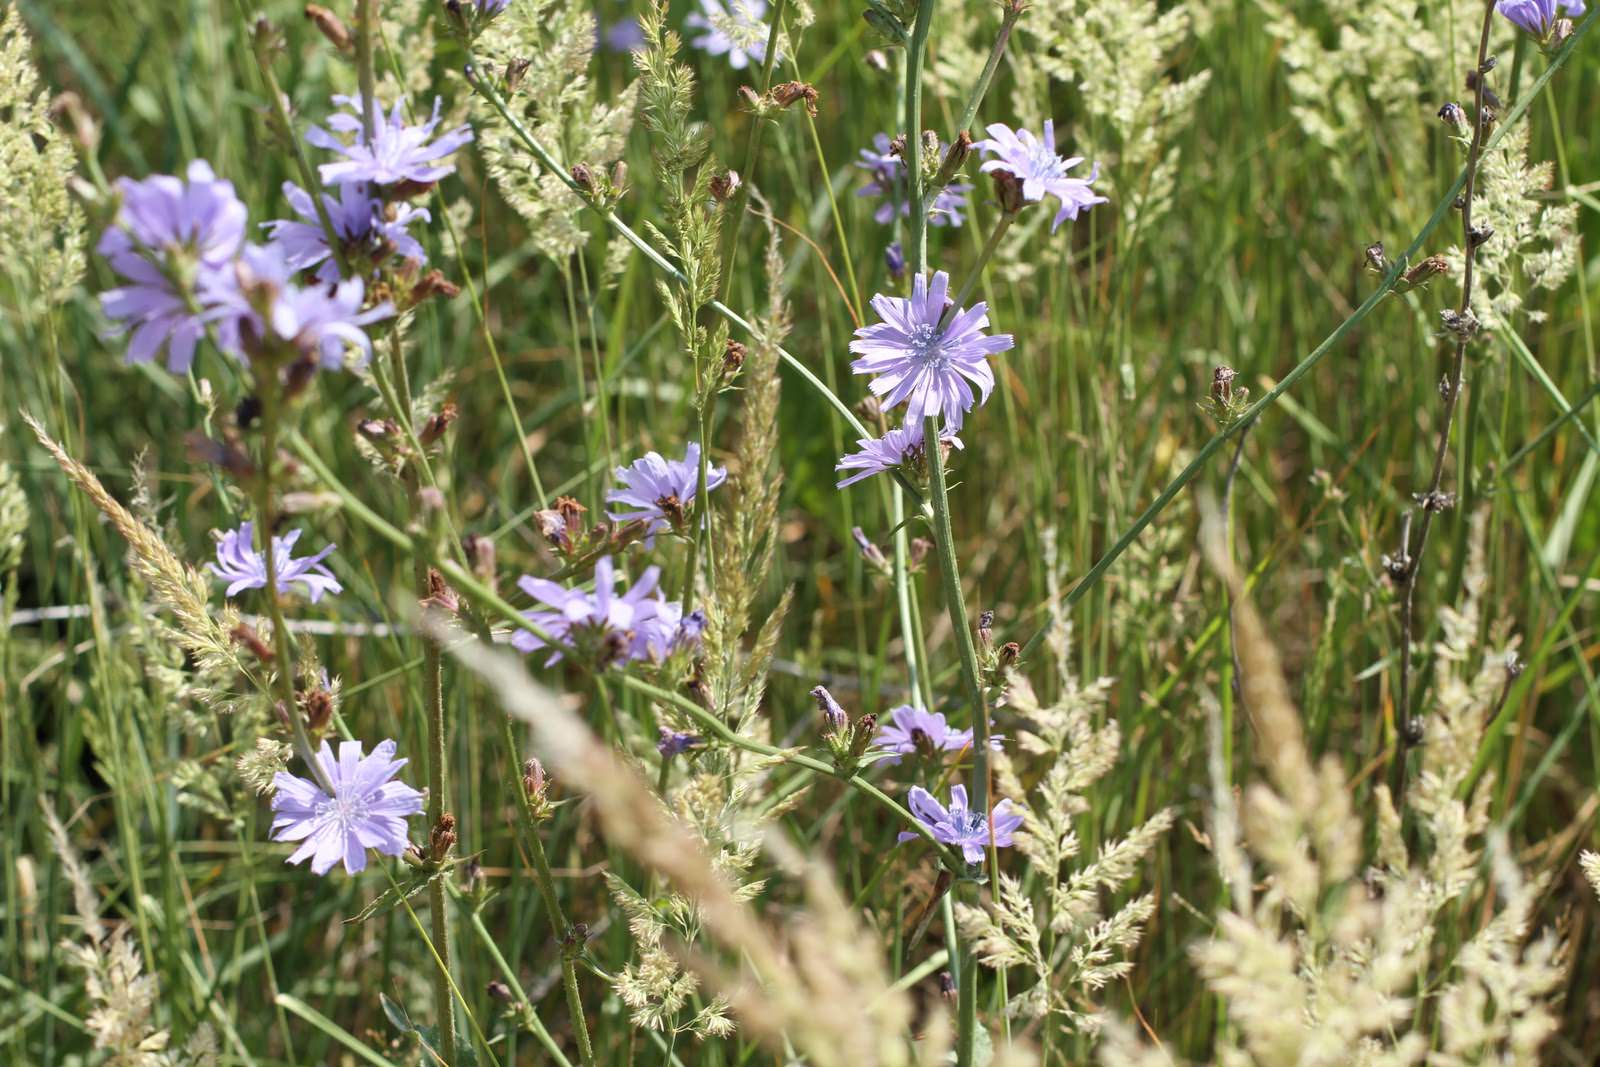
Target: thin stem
[[1001, 225], [752, 147], [917, 244], [1008, 21], [1432, 500]]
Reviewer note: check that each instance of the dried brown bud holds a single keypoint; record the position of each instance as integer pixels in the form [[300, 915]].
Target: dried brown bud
[[481, 555], [534, 782], [920, 547], [432, 284], [436, 425], [317, 705], [334, 30], [750, 99], [954, 157], [442, 837], [1376, 260], [1421, 272], [85, 131], [246, 635], [724, 185], [1222, 383], [516, 70], [733, 356], [947, 987], [1008, 191], [787, 93], [498, 990], [583, 177], [1010, 652], [440, 595]]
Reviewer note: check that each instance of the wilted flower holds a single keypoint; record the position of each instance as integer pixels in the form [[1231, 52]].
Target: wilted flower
[[889, 181], [903, 444], [172, 240], [365, 226], [923, 357], [960, 826], [242, 566], [366, 810], [1538, 17], [661, 491], [739, 34], [912, 730], [398, 153], [1043, 173], [320, 320]]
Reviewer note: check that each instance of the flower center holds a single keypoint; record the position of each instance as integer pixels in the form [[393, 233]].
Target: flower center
[[927, 346], [1044, 163], [344, 809], [975, 823]]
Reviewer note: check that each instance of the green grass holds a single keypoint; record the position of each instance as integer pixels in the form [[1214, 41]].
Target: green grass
[[1118, 327]]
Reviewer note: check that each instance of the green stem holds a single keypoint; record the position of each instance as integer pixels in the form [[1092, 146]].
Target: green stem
[[1001, 225], [752, 147], [917, 245], [1008, 21]]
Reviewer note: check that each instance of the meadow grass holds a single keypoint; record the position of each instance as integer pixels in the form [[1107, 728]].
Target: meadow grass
[[1206, 585]]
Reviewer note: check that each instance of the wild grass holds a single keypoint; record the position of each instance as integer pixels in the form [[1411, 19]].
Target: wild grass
[[1271, 814]]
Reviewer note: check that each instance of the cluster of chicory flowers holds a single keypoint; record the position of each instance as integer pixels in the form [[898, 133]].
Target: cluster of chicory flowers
[[636, 624], [179, 246], [924, 352], [932, 356], [1542, 18]]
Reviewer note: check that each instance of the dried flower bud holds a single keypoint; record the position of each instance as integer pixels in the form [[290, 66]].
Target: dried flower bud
[[1420, 273], [516, 70], [1462, 325], [431, 498], [1008, 191], [440, 595], [954, 157], [1454, 116], [334, 30], [85, 130], [1514, 664], [750, 99], [317, 706], [1412, 731], [481, 555], [1222, 383], [724, 185], [1397, 567], [733, 356], [861, 735], [787, 93], [583, 177], [442, 838], [876, 59], [1489, 96], [1010, 652], [1477, 236], [869, 408], [499, 991], [986, 628], [571, 512], [947, 987], [436, 425], [246, 635], [534, 782], [1560, 32], [920, 547], [1376, 260], [1435, 501], [432, 284]]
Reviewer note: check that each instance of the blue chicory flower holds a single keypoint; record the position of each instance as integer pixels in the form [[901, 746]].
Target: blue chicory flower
[[366, 228], [661, 490], [1033, 162], [398, 152], [1538, 17], [911, 730], [321, 321], [632, 625], [960, 826], [243, 566], [901, 445], [172, 241], [675, 744], [924, 358], [367, 809]]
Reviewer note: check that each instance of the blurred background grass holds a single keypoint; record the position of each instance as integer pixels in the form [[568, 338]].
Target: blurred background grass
[[1119, 327]]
